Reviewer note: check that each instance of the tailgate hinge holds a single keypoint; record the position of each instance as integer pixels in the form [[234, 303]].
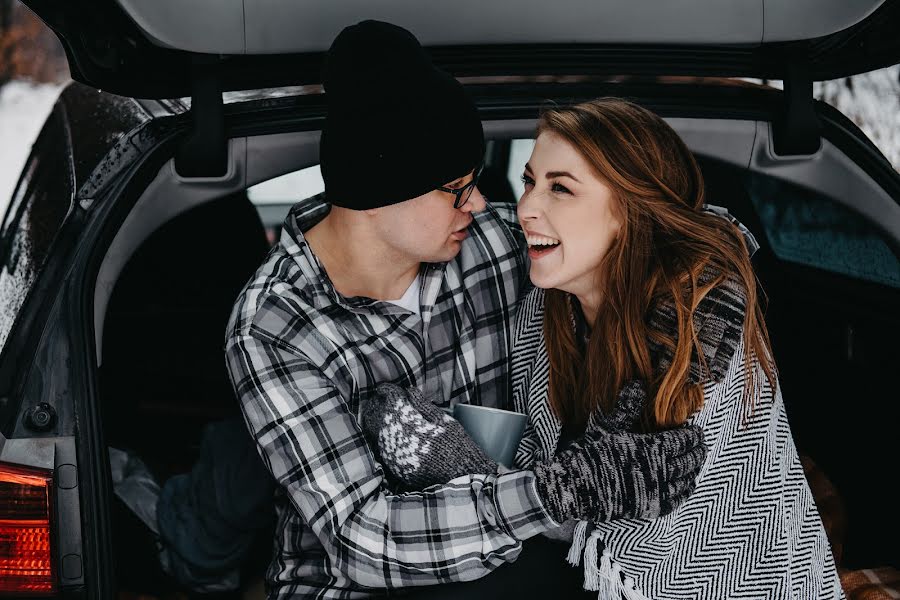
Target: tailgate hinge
[[204, 153], [797, 129]]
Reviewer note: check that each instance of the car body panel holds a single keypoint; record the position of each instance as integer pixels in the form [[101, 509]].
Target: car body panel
[[284, 26], [150, 49]]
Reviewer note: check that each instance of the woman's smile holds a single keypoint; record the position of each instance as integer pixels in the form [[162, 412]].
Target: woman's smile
[[565, 204], [540, 245]]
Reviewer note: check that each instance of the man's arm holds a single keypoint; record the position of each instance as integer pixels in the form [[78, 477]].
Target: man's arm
[[314, 447], [507, 214]]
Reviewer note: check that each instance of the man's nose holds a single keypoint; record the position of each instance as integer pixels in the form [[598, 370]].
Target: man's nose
[[476, 202]]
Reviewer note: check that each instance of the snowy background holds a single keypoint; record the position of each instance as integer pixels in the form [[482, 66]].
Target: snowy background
[[23, 108], [872, 101]]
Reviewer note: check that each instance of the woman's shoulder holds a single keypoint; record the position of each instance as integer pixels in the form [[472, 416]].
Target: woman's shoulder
[[718, 321], [726, 299]]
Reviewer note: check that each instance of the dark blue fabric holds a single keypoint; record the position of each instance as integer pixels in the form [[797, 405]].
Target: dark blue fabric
[[211, 517]]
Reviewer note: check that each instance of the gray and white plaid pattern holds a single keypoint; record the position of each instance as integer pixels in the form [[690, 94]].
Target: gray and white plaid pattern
[[301, 357]]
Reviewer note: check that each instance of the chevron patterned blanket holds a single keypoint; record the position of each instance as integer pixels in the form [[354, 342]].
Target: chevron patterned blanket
[[751, 528]]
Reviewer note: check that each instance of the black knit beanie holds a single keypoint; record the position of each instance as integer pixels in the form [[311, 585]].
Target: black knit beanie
[[397, 127]]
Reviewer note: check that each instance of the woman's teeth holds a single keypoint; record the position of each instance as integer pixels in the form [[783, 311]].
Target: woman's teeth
[[541, 241], [541, 245]]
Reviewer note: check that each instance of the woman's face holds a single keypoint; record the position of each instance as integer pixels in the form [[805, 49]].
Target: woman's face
[[569, 218]]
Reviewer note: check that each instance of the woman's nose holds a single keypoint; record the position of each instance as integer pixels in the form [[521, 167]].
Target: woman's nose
[[528, 207]]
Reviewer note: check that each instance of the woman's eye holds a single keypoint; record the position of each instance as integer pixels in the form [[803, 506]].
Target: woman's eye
[[560, 188], [527, 180]]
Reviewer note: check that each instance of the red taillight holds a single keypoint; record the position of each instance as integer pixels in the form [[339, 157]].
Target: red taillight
[[25, 556]]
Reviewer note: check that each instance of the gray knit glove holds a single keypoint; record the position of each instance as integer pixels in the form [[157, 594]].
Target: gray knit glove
[[418, 444], [605, 476]]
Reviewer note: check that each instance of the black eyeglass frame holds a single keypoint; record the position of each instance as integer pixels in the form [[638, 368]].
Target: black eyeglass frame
[[460, 201]]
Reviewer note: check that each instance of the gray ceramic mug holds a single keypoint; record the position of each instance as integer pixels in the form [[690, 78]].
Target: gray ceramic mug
[[497, 432]]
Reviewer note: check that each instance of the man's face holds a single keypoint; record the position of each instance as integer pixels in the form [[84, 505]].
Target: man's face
[[428, 228]]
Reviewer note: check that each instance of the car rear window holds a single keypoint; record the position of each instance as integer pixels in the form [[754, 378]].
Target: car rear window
[[273, 198], [806, 228]]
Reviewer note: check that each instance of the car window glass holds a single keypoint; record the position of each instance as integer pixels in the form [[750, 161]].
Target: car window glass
[[519, 153], [273, 198], [42, 198], [805, 228]]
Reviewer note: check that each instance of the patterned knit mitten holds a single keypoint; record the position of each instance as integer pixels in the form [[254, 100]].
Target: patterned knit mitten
[[605, 476], [418, 443]]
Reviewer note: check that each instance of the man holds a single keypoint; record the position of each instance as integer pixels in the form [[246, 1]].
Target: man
[[407, 277]]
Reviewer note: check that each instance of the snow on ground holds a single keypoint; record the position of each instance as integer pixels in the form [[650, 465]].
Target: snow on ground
[[23, 108]]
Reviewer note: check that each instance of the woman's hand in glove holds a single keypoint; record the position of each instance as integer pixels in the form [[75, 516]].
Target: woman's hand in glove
[[605, 476]]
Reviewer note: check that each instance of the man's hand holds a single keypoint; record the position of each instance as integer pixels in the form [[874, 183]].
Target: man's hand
[[418, 443], [605, 476]]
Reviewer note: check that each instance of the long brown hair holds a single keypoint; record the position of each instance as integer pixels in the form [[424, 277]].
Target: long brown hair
[[663, 246]]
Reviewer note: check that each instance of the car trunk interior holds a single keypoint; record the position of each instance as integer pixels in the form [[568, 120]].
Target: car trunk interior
[[832, 335], [167, 283]]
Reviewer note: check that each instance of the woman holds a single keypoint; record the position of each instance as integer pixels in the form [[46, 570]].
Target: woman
[[644, 317], [646, 301]]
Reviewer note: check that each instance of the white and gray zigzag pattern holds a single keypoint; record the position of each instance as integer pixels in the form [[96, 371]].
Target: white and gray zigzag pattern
[[750, 530]]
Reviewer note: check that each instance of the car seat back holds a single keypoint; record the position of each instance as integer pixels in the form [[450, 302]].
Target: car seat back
[[163, 372]]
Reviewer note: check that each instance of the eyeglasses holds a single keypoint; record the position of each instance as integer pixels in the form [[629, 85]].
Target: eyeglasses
[[463, 193]]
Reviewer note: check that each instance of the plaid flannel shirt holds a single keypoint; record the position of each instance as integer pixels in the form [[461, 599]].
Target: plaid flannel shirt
[[301, 356]]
